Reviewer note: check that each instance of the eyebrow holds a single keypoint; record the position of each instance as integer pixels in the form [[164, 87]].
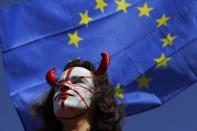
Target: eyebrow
[[81, 77], [91, 91]]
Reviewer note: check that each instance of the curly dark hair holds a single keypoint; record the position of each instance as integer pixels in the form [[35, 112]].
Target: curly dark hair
[[108, 114]]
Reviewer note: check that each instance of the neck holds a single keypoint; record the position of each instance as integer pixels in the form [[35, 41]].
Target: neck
[[82, 123]]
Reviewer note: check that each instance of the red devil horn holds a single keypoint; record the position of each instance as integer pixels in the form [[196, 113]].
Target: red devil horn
[[104, 64], [51, 78]]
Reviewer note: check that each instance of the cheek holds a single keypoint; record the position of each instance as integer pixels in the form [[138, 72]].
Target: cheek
[[84, 92], [74, 102], [82, 98]]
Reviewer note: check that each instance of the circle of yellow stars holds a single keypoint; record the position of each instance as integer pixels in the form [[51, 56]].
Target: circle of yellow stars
[[144, 10]]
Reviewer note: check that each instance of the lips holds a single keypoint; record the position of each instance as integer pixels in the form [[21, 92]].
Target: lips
[[64, 95]]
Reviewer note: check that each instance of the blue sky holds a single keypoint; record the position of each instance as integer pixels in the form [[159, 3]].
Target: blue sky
[[178, 114]]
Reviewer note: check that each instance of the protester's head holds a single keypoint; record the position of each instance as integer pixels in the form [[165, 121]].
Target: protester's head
[[73, 96], [80, 90]]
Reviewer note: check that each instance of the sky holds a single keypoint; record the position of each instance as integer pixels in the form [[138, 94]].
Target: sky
[[178, 114]]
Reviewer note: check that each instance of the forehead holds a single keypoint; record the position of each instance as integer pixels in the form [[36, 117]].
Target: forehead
[[75, 71]]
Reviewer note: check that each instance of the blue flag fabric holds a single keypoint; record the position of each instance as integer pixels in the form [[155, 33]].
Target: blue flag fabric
[[152, 44]]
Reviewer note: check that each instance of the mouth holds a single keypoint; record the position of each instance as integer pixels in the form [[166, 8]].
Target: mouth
[[64, 95]]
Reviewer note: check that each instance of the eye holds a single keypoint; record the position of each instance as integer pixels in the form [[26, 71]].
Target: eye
[[60, 81], [78, 80]]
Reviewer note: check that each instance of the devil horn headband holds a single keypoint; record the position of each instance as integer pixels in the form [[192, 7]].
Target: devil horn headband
[[52, 79], [104, 64]]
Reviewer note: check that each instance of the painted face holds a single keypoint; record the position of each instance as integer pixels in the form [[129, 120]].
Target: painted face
[[73, 97]]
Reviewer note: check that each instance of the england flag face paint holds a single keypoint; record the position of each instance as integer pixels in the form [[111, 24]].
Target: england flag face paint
[[74, 94]]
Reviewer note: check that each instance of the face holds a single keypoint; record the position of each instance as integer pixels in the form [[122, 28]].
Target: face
[[73, 96]]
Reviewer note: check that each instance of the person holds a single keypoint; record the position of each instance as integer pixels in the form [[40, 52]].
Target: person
[[82, 99]]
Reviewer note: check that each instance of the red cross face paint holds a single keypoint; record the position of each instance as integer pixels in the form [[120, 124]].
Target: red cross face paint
[[74, 94]]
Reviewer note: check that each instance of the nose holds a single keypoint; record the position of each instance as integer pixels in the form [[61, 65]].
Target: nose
[[64, 86]]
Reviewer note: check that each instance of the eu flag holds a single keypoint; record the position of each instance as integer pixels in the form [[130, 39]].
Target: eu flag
[[152, 44]]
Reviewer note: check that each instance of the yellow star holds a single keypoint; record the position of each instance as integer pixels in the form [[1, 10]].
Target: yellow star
[[74, 38], [100, 5], [119, 92], [168, 40], [162, 21], [143, 81], [78, 58], [144, 10], [122, 5], [84, 18], [162, 61]]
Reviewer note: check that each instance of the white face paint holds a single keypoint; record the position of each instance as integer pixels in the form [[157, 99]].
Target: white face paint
[[74, 94]]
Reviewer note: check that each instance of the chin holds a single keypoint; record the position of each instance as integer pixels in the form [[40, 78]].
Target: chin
[[69, 112]]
